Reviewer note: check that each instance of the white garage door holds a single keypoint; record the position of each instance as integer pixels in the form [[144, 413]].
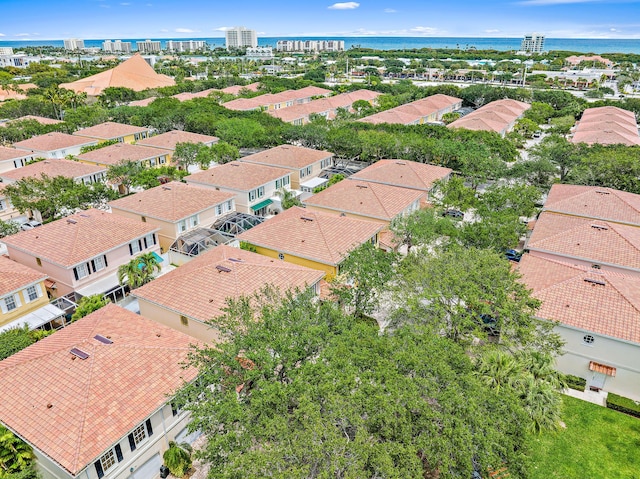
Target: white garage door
[[150, 469]]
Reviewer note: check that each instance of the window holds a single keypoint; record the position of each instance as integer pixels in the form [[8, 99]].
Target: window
[[108, 460], [182, 226], [184, 320], [588, 339], [325, 163], [149, 240], [38, 261], [229, 205], [305, 172], [32, 293], [280, 256], [81, 271], [10, 303], [219, 209], [162, 160], [139, 434], [286, 180], [144, 219], [3, 205], [135, 247], [99, 263], [193, 221], [261, 192], [120, 140]]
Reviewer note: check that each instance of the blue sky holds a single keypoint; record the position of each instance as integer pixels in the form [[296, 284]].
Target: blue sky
[[90, 19]]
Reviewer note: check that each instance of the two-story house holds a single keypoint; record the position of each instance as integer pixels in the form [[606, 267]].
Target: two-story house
[[253, 185], [54, 145], [94, 399], [81, 253], [311, 238], [304, 164], [175, 208], [79, 172], [114, 154], [110, 130], [8, 212], [11, 158], [189, 296], [168, 141]]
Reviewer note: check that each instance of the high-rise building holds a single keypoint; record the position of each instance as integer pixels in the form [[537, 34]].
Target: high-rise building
[[149, 46], [310, 45], [117, 46], [6, 51], [73, 44], [533, 43], [186, 45], [241, 37]]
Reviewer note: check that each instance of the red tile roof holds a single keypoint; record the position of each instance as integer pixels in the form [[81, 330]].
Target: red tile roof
[[73, 409], [52, 168], [7, 154], [308, 234], [43, 120], [134, 73], [363, 198], [263, 101], [237, 175], [200, 288], [594, 202], [171, 202], [601, 242], [110, 130], [79, 237], [407, 174], [495, 116], [414, 111], [605, 303], [607, 125], [114, 154], [326, 106], [14, 276], [170, 139], [53, 141], [288, 156]]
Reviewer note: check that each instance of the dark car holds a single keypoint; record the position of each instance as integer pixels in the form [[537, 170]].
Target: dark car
[[453, 213], [513, 255]]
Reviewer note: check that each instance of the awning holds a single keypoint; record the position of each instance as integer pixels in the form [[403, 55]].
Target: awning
[[261, 205], [36, 318], [602, 368], [100, 286]]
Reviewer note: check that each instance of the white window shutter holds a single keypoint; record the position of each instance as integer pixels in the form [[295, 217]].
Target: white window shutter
[[17, 298], [3, 306], [25, 295], [39, 290]]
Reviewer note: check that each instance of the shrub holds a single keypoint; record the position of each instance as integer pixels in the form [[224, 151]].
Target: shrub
[[575, 382], [623, 404]]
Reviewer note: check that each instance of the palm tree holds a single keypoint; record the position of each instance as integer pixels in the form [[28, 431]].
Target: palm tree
[[139, 271], [178, 458], [15, 455], [288, 198]]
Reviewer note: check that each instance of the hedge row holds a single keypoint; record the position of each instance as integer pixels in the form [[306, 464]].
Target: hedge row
[[623, 404], [575, 382]]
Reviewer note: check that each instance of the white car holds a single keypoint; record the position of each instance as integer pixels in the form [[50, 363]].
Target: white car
[[29, 225]]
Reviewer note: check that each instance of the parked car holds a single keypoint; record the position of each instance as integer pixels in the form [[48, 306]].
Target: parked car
[[513, 255], [453, 213], [29, 225]]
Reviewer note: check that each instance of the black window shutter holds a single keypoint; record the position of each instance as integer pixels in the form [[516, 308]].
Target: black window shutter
[[174, 409], [89, 268], [153, 235], [140, 245], [119, 453], [105, 260], [149, 428], [75, 273], [132, 443], [145, 242], [93, 266], [99, 470], [130, 249]]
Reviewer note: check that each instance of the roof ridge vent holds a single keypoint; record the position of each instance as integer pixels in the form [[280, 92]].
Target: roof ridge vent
[[236, 260], [600, 227], [304, 218], [102, 339], [223, 269], [79, 353], [595, 281], [168, 188], [362, 186], [601, 192], [400, 163], [71, 221]]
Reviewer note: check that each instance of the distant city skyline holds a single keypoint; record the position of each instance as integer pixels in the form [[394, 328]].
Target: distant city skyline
[[115, 19]]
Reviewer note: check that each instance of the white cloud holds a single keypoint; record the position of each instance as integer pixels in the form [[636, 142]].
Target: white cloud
[[425, 30], [23, 34], [389, 10], [185, 30], [344, 6], [164, 30], [125, 4], [535, 3], [222, 29], [492, 30], [2, 35]]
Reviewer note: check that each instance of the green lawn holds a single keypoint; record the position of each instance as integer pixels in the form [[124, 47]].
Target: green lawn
[[598, 443]]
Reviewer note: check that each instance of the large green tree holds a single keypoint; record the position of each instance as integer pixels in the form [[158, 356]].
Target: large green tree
[[298, 390]]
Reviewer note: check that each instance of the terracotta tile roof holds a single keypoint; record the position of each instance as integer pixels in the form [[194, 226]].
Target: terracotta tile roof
[[73, 409], [585, 238], [7, 154], [14, 276], [308, 234], [170, 139], [110, 130], [9, 94], [323, 105], [144, 102], [389, 240], [268, 99], [171, 202], [52, 168], [414, 111], [79, 237], [40, 119], [114, 154], [408, 174], [594, 202], [364, 198], [200, 288], [134, 73], [607, 125], [605, 303], [53, 141], [237, 175], [235, 89], [288, 156], [495, 116]]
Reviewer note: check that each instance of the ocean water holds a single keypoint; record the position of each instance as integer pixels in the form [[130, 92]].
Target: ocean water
[[583, 45]]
